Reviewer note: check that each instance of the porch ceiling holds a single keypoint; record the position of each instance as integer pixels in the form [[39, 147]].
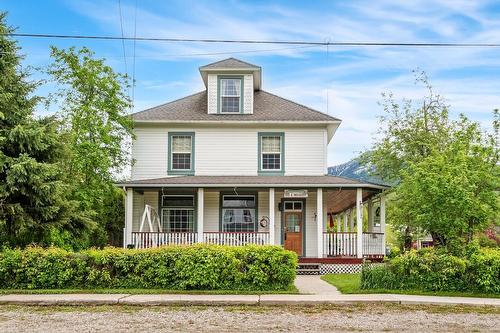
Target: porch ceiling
[[343, 199], [253, 181]]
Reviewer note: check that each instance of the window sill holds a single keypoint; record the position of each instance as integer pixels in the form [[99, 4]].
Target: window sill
[[271, 173], [181, 172]]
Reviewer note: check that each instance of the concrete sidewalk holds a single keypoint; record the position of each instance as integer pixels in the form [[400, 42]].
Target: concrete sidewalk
[[178, 299]]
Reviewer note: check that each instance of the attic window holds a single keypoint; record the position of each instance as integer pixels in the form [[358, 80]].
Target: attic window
[[230, 95]]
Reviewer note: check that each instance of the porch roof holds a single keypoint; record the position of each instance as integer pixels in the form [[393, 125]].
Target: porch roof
[[253, 181]]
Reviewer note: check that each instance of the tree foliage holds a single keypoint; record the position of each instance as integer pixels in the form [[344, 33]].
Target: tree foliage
[[33, 193], [446, 170], [93, 107]]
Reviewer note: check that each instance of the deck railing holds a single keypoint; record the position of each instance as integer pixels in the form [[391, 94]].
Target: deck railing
[[344, 244], [340, 244], [143, 240], [373, 244], [236, 238]]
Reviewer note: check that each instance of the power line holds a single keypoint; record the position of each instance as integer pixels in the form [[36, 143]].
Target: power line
[[247, 41], [133, 62], [122, 38]]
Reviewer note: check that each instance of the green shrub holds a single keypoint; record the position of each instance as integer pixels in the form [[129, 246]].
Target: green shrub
[[176, 267], [435, 270]]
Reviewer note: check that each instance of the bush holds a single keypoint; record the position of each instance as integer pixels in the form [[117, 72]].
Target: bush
[[175, 267], [435, 270]]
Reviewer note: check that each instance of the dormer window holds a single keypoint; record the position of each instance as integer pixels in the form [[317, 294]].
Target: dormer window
[[230, 99]]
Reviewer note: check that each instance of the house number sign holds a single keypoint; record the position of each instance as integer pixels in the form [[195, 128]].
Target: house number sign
[[295, 193]]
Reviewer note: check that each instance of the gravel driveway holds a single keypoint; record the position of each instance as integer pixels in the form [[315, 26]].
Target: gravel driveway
[[367, 317]]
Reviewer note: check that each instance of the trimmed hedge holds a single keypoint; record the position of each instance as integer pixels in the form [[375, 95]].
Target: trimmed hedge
[[435, 270], [200, 267]]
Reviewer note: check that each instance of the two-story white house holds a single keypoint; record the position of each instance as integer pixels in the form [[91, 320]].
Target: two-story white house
[[234, 164]]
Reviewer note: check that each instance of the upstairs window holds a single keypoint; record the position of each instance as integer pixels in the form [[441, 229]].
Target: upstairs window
[[230, 95], [181, 148], [271, 152]]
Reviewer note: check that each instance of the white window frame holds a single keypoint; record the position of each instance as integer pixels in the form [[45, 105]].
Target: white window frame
[[222, 95], [262, 152]]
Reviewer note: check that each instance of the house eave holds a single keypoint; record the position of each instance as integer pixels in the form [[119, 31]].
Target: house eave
[[319, 122], [291, 185]]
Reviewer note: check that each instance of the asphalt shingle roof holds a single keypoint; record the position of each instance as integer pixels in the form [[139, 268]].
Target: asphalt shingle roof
[[267, 107], [229, 63]]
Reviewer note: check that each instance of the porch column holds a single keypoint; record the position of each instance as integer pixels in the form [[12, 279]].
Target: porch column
[[271, 217], [351, 220], [359, 221], [319, 221], [370, 215], [337, 221], [199, 216], [345, 221], [382, 219], [129, 205]]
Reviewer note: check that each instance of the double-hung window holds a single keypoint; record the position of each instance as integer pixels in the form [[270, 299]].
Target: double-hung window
[[177, 213], [238, 213], [181, 149], [271, 152], [230, 95]]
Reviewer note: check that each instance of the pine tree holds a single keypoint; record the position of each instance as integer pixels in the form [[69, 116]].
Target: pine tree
[[32, 186]]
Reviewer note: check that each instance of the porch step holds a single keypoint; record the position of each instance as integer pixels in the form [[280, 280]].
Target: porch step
[[308, 269]]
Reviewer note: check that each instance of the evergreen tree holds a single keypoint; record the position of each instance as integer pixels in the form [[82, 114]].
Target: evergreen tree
[[32, 186]]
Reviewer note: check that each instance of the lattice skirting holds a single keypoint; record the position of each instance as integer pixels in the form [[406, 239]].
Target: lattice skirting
[[343, 268]]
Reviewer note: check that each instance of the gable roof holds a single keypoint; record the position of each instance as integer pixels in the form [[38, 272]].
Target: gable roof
[[267, 107], [229, 63]]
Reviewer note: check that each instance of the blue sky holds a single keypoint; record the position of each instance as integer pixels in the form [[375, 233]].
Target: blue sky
[[352, 78]]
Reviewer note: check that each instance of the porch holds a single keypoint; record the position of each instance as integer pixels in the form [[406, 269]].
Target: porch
[[316, 222]]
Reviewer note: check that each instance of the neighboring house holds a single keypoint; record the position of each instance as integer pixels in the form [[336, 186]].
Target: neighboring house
[[234, 164]]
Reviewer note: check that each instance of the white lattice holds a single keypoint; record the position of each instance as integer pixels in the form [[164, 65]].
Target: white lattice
[[342, 268]]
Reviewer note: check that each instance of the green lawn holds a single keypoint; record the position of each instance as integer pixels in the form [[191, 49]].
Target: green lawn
[[291, 290], [350, 284]]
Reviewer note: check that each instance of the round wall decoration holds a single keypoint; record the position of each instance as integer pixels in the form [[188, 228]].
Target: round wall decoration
[[264, 221]]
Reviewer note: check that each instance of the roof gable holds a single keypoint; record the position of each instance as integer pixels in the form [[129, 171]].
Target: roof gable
[[230, 63]]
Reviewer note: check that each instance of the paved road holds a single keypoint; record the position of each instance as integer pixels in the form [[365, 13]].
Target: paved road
[[362, 317]]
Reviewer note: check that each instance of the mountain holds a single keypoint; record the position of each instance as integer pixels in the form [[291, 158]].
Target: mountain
[[353, 169]]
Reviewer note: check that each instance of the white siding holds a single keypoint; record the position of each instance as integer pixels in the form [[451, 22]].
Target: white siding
[[137, 210], [305, 152], [150, 153], [229, 151], [224, 151], [140, 200], [212, 93], [263, 209], [211, 211], [248, 93], [310, 225]]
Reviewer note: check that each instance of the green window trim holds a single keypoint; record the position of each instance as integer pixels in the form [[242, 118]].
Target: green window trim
[[186, 172], [179, 192], [221, 77], [240, 193], [263, 172]]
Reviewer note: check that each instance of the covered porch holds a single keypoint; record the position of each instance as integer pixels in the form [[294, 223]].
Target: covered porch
[[316, 216]]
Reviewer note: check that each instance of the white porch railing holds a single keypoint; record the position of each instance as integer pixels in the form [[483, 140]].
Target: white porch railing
[[143, 240], [340, 244], [344, 244], [373, 244], [236, 238]]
